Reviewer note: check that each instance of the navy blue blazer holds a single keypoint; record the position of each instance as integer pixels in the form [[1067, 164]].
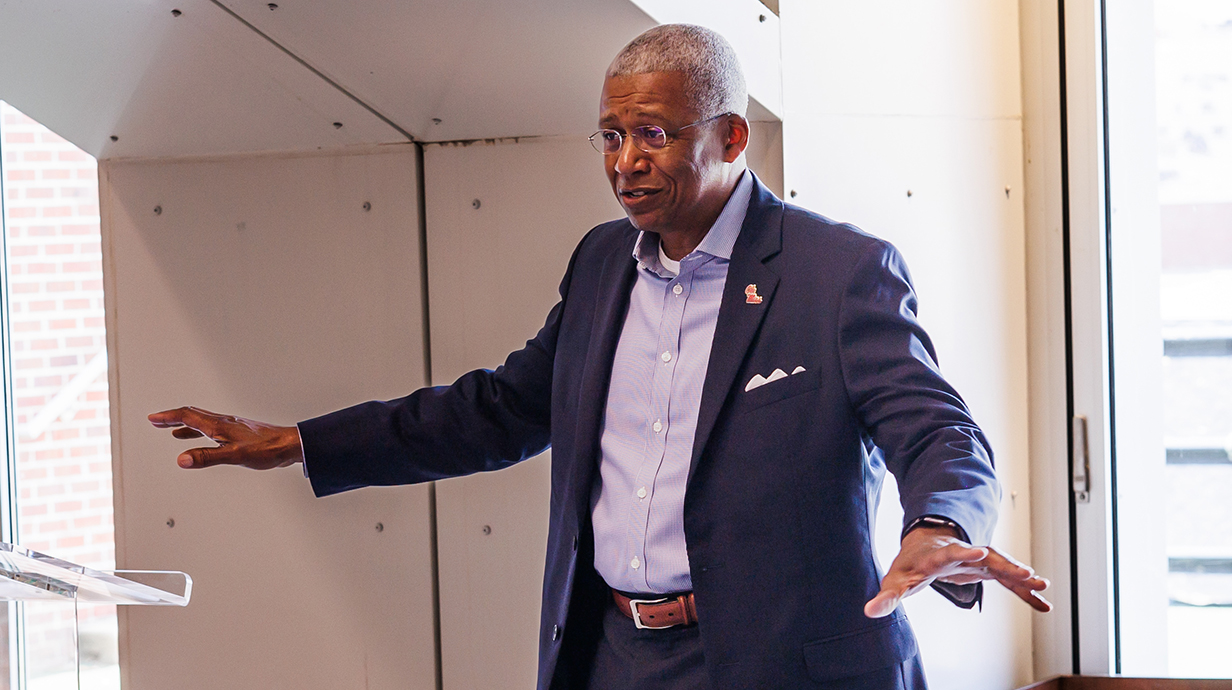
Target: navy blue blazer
[[783, 481]]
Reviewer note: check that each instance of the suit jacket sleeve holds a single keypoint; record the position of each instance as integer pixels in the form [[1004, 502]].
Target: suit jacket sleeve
[[941, 459], [485, 420]]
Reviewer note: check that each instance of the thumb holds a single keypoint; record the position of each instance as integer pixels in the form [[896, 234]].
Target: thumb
[[882, 605], [203, 457]]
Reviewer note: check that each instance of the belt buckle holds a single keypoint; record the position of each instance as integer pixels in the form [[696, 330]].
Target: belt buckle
[[637, 617]]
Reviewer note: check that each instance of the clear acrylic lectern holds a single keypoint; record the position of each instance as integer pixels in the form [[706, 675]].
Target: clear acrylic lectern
[[29, 576]]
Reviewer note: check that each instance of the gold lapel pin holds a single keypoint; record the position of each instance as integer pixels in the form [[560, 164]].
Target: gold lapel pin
[[750, 294]]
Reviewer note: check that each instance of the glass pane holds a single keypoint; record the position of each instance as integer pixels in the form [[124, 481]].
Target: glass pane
[[1175, 511], [55, 306]]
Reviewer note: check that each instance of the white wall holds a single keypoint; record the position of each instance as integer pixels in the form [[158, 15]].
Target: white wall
[[884, 98], [263, 289]]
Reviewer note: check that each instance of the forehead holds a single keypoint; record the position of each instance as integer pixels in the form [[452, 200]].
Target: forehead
[[654, 94]]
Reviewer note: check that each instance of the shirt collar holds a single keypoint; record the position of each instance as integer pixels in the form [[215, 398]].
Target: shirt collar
[[719, 240]]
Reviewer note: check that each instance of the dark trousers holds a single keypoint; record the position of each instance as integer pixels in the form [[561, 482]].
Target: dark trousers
[[632, 659], [672, 659]]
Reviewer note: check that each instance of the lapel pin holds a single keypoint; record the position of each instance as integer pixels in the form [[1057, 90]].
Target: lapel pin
[[750, 294]]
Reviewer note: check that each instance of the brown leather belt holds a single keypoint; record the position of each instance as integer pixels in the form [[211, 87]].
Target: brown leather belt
[[664, 612]]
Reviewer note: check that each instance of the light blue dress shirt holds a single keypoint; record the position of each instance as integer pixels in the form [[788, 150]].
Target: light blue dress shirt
[[652, 405]]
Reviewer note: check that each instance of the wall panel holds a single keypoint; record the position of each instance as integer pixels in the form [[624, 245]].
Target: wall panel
[[905, 121], [259, 286]]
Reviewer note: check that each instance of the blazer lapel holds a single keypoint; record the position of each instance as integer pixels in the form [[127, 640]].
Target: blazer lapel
[[761, 237], [611, 303]]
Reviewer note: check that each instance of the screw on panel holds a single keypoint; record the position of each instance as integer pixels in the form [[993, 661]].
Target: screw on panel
[[170, 522], [272, 6], [158, 210], [761, 18], [793, 194], [1007, 191], [367, 205], [176, 13], [380, 527], [114, 138], [475, 204], [487, 529], [436, 120], [909, 194], [337, 125]]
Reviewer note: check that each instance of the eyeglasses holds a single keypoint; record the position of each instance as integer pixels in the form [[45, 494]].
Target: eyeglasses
[[648, 138]]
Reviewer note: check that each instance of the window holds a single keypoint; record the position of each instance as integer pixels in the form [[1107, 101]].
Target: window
[[58, 405]]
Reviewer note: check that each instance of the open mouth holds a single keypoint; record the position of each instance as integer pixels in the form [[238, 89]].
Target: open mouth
[[635, 194]]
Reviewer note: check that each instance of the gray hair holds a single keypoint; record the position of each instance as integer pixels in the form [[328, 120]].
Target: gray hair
[[714, 82]]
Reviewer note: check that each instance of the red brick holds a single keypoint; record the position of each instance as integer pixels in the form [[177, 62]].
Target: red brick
[[75, 155], [64, 248], [19, 138], [95, 322], [28, 363], [83, 266], [44, 344], [25, 288], [98, 431], [78, 229], [87, 210], [62, 435], [23, 212], [57, 211], [49, 454], [63, 324], [37, 156], [32, 401], [87, 174], [96, 395], [23, 251], [70, 542], [28, 474], [41, 267], [27, 326], [87, 521], [50, 137], [64, 361], [68, 506], [33, 510], [61, 286], [40, 193], [42, 230], [19, 175], [86, 487], [79, 341], [84, 451], [56, 174], [48, 380]]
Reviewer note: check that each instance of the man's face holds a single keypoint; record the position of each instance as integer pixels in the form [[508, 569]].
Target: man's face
[[679, 187]]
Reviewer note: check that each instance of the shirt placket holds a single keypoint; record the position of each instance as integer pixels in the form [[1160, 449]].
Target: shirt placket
[[675, 296]]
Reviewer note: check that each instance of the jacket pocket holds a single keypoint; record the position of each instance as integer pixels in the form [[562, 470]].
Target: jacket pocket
[[775, 391], [860, 652]]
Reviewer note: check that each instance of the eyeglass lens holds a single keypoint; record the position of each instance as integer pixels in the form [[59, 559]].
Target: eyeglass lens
[[647, 138]]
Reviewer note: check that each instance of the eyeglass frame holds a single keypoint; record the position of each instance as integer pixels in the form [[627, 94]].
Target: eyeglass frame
[[668, 137]]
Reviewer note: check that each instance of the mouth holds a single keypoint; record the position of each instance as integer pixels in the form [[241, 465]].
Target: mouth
[[636, 196]]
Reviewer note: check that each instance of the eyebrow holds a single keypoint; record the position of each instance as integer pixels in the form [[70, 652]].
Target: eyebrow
[[640, 115]]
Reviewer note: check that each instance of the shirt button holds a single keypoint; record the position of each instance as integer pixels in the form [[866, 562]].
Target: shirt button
[[677, 289], [658, 426], [635, 563], [666, 356], [641, 493]]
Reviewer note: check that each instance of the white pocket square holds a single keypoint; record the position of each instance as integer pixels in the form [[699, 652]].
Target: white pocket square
[[758, 380]]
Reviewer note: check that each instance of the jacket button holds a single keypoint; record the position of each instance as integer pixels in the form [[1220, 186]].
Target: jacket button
[[575, 542], [555, 633]]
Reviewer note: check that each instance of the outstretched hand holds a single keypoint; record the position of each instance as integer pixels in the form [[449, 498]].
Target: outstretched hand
[[243, 442], [936, 553]]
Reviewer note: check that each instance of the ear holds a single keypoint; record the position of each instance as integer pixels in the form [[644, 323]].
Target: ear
[[737, 137]]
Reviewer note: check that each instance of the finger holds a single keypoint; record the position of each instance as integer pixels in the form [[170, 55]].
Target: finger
[[882, 605], [196, 458], [1005, 568], [1033, 598], [167, 418], [186, 433]]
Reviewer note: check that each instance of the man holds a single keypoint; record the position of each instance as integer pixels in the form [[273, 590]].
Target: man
[[723, 383]]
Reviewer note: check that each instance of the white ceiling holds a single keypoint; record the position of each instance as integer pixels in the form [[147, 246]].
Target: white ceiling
[[227, 76]]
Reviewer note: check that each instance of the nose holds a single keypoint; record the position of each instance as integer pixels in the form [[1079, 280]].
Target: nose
[[630, 158]]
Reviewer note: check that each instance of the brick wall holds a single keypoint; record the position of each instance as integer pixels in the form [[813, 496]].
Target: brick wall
[[55, 303]]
